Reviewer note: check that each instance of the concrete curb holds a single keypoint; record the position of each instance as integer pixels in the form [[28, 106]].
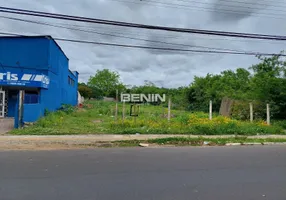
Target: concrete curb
[[11, 142], [251, 144], [106, 137]]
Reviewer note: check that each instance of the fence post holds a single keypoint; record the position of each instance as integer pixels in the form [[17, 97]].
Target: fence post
[[268, 114], [123, 111], [251, 112], [169, 110], [116, 106], [211, 110]]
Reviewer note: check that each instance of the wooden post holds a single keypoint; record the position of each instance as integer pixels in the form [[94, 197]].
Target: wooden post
[[20, 108], [169, 110], [251, 112], [268, 114], [116, 106], [134, 113], [211, 111], [123, 111]]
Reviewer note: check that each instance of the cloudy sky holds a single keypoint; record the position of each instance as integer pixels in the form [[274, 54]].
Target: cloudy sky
[[167, 69]]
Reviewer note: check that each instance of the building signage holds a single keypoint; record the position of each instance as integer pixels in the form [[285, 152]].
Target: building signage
[[24, 79]]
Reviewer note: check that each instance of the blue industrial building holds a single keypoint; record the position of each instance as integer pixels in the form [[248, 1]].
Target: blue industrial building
[[34, 77]]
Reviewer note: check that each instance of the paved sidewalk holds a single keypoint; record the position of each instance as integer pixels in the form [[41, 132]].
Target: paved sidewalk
[[64, 141], [6, 124], [107, 138], [110, 137]]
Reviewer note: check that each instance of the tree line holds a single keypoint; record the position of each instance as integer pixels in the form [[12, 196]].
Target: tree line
[[262, 83]]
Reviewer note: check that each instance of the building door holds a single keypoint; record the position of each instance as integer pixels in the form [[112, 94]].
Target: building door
[[2, 104]]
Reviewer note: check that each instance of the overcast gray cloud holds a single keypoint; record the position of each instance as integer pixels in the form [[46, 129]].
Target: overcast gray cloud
[[168, 69], [234, 11]]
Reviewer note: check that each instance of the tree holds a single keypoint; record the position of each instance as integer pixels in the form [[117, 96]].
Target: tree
[[96, 93], [84, 90], [234, 84], [89, 91], [268, 84], [231, 84], [204, 89], [106, 81], [146, 89]]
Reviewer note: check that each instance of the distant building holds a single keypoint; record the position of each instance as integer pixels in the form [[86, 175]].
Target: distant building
[[34, 77], [110, 99], [80, 99]]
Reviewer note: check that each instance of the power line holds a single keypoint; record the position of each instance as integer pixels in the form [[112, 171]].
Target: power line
[[153, 48], [120, 36], [127, 31], [141, 26], [140, 39], [99, 27]]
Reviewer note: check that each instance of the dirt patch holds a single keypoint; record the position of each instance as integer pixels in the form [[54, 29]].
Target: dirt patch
[[81, 110], [35, 147], [89, 106], [97, 121]]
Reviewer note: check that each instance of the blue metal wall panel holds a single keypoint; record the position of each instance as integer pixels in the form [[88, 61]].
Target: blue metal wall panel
[[40, 55], [12, 102], [54, 59], [32, 112], [72, 88], [22, 52]]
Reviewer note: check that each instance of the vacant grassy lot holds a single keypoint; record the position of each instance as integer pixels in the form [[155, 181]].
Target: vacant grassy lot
[[97, 117]]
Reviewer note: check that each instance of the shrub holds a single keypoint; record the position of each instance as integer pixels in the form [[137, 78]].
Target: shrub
[[195, 124], [240, 110], [68, 109], [280, 123]]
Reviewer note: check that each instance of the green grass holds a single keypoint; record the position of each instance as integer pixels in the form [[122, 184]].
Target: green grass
[[281, 123], [97, 117], [180, 141]]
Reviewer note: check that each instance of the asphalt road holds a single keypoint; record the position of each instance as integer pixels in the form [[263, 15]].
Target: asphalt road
[[210, 173]]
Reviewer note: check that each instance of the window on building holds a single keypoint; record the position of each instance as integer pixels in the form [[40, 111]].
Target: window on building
[[71, 81], [31, 97]]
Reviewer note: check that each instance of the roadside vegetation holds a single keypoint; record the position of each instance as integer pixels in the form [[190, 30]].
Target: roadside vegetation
[[263, 83], [260, 84], [98, 117], [179, 141]]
